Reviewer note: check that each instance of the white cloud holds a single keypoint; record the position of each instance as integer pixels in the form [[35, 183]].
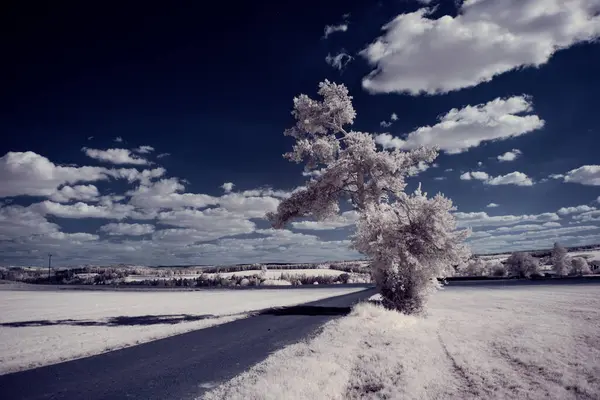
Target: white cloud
[[585, 175], [510, 155], [144, 149], [575, 210], [492, 205], [339, 61], [479, 164], [440, 178], [528, 235], [81, 210], [90, 137], [248, 206], [28, 173], [483, 219], [385, 124], [468, 127], [119, 139], [345, 219], [588, 216], [417, 169], [213, 223], [514, 178], [77, 192], [417, 54], [17, 222], [115, 156], [394, 117], [227, 187], [329, 29], [118, 229], [163, 155], [478, 175], [167, 194], [448, 170]]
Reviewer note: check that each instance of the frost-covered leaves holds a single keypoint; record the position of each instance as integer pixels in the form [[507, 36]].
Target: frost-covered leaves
[[522, 264]]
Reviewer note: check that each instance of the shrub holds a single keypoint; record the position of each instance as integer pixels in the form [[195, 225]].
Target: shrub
[[580, 266], [522, 265]]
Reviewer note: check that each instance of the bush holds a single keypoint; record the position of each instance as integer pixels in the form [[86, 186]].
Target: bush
[[522, 265], [580, 266]]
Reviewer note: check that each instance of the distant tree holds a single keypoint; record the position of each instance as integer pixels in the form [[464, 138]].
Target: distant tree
[[580, 266], [560, 262], [497, 269], [475, 267], [522, 264], [410, 239]]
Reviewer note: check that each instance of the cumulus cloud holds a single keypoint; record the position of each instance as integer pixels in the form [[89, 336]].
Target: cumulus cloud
[[124, 229], [478, 175], [385, 124], [28, 173], [144, 149], [81, 210], [468, 127], [339, 61], [329, 29], [167, 194], [514, 178], [345, 219], [212, 223], [492, 205], [227, 187], [21, 222], [510, 155], [575, 210], [163, 155], [585, 175], [119, 139], [115, 156], [394, 117], [77, 192], [475, 219], [417, 54]]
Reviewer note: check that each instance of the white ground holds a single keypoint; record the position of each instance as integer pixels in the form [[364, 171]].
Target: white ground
[[35, 345], [534, 342]]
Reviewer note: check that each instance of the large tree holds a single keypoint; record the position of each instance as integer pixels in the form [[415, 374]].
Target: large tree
[[411, 239]]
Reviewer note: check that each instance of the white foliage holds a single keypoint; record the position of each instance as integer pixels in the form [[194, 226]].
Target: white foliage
[[580, 266], [560, 263], [522, 264], [410, 238]]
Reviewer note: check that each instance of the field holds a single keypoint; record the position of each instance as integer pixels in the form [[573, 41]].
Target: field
[[45, 327], [519, 342]]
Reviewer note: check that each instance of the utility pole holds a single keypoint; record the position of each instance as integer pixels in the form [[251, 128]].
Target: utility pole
[[49, 266]]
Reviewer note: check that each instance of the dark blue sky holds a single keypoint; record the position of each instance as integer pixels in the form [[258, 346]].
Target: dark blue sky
[[213, 87]]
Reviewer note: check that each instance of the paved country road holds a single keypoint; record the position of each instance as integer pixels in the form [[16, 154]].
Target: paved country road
[[178, 367]]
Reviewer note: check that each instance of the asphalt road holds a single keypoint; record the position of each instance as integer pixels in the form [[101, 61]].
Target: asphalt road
[[178, 367]]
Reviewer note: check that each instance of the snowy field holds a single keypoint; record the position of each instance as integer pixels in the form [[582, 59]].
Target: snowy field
[[44, 327], [532, 342]]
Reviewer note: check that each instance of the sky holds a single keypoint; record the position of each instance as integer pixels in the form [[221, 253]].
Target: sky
[[154, 135]]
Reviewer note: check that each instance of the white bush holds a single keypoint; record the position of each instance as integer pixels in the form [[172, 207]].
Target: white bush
[[411, 239], [561, 264], [580, 266], [522, 264]]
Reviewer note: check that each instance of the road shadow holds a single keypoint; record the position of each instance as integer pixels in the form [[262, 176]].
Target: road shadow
[[307, 310], [114, 321]]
